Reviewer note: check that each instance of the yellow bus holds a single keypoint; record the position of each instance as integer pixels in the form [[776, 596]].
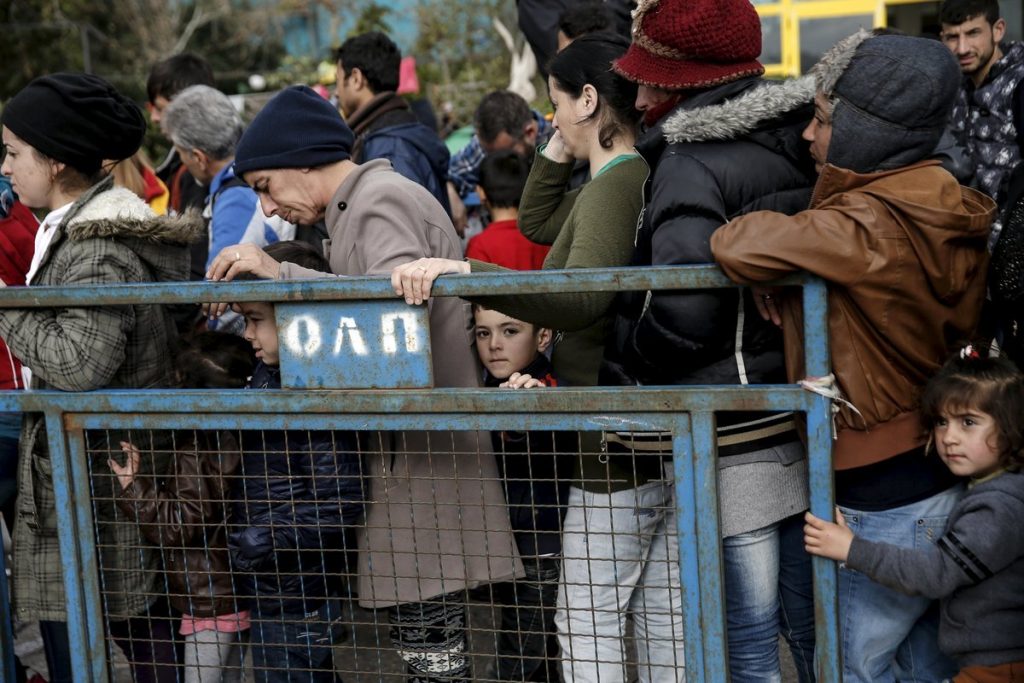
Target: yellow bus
[[797, 32]]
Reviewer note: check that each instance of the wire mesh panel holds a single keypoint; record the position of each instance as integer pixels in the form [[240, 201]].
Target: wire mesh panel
[[303, 554], [435, 534]]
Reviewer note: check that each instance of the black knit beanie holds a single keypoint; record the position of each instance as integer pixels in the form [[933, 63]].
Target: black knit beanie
[[77, 119], [297, 129]]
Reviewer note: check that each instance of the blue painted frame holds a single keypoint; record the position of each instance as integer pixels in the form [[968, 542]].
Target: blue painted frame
[[688, 412]]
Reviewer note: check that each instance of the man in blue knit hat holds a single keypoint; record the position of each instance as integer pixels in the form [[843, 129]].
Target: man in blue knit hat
[[423, 513], [902, 246]]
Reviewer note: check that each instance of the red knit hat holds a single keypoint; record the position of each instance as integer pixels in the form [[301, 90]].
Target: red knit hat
[[691, 44]]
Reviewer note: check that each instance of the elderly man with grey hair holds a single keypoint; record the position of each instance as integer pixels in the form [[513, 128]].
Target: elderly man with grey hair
[[205, 128]]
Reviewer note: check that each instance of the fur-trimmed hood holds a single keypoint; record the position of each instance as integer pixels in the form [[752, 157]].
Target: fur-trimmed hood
[[118, 212], [739, 116], [161, 242]]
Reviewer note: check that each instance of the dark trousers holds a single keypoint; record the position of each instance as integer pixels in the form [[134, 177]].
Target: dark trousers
[[526, 642], [148, 641]]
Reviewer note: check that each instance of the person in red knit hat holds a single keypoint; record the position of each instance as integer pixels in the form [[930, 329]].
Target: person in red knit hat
[[721, 140], [502, 179]]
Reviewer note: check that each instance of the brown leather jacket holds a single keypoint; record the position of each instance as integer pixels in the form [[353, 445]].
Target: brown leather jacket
[[904, 254], [186, 516]]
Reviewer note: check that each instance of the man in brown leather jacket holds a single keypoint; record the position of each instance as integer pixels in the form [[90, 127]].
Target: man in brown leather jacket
[[902, 246]]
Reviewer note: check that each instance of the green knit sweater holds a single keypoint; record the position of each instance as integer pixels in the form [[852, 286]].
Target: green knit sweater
[[590, 227]]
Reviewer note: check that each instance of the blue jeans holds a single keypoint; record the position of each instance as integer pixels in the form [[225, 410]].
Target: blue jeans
[[886, 635], [768, 589], [295, 648]]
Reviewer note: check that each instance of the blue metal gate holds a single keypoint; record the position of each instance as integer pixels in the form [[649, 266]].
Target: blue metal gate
[[377, 336]]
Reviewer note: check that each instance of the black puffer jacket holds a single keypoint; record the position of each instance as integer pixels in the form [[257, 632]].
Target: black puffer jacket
[[722, 153], [297, 493]]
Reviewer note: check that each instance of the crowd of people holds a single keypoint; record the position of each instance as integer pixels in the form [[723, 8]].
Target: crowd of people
[[890, 171]]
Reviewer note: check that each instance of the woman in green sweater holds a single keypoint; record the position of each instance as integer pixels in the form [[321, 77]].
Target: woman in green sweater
[[589, 227], [602, 579]]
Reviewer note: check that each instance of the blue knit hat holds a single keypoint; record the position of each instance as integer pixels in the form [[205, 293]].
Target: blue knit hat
[[297, 129]]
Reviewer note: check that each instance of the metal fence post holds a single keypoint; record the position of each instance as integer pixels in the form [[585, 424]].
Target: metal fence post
[[7, 670], [819, 449], [77, 550]]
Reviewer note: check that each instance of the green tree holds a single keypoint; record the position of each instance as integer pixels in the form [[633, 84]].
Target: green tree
[[373, 17], [459, 53], [121, 40]]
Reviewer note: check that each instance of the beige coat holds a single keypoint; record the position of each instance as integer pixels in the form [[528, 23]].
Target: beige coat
[[436, 521]]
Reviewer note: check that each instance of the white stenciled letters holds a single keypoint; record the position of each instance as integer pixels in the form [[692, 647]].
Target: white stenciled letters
[[303, 336], [410, 329], [355, 337]]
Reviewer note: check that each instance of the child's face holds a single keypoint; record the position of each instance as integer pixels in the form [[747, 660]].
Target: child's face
[[507, 345], [261, 330], [967, 442]]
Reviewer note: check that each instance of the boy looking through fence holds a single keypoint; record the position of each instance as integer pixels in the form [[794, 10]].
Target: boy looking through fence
[[298, 492], [536, 488]]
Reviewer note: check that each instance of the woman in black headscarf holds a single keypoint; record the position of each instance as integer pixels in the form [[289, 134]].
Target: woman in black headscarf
[[57, 132]]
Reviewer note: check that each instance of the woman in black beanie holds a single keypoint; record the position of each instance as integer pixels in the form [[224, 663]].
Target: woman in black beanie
[[57, 132]]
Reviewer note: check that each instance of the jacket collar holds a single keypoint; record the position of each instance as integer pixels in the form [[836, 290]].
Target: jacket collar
[[381, 104], [834, 180], [1013, 56]]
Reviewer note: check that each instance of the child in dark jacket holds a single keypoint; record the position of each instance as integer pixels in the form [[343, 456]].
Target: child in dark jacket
[[536, 486], [974, 409], [186, 516], [298, 492]]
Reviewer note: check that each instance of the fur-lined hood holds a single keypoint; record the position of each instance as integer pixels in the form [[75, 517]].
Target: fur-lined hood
[[739, 116], [106, 212], [118, 212]]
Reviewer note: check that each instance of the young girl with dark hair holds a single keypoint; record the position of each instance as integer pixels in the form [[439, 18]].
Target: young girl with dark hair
[[973, 409], [187, 514]]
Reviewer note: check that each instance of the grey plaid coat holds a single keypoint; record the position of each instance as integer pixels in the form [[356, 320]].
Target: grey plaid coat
[[108, 236]]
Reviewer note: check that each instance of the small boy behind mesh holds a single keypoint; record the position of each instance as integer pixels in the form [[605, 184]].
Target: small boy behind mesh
[[299, 492], [186, 515], [502, 179], [512, 352]]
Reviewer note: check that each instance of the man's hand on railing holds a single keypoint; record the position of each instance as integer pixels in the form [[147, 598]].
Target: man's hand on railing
[[233, 261], [415, 279], [126, 474]]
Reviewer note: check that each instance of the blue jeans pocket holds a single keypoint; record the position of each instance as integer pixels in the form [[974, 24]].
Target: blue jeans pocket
[[929, 530]]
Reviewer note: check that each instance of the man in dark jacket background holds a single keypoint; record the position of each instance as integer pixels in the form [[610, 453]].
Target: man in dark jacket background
[[384, 125], [721, 141], [993, 71]]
